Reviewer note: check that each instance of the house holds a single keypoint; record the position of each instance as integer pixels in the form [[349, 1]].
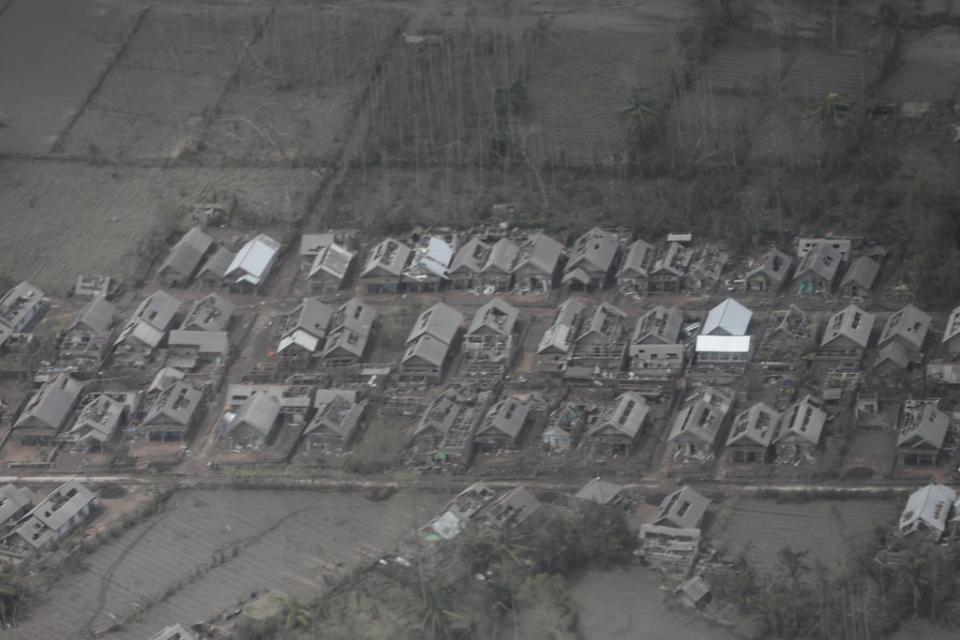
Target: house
[[185, 258], [304, 332], [54, 517], [444, 431], [47, 411], [752, 434], [655, 345], [698, 424], [464, 507], [601, 340], [350, 329], [97, 423], [174, 632], [467, 264], [509, 509], [668, 547], [384, 267], [771, 274], [213, 272], [705, 272], [427, 270], [927, 511], [800, 428], [171, 414], [592, 260], [313, 243], [85, 342], [669, 270], [788, 333], [635, 267], [337, 418], [818, 270], [846, 336], [603, 493], [729, 318], [951, 335], [210, 313], [723, 351], [944, 372], [617, 430], [330, 268], [538, 263], [554, 348], [908, 327], [20, 306], [859, 278], [296, 401], [565, 426], [921, 433], [891, 358], [190, 349], [92, 286], [685, 508], [488, 344], [807, 245], [254, 423], [497, 273], [250, 268], [15, 502], [502, 426], [146, 329], [429, 343]]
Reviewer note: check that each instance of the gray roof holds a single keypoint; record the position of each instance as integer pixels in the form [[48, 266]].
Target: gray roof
[[157, 310], [953, 325], [727, 318], [514, 506], [441, 413], [174, 632], [595, 250], [503, 256], [702, 415], [439, 321], [254, 260], [210, 313], [206, 342], [607, 321], [50, 407], [540, 252], [18, 303], [96, 316], [659, 325], [471, 256], [340, 415], [895, 353], [430, 260], [506, 417], [496, 316], [312, 243], [927, 509], [427, 348], [259, 412], [350, 328], [775, 266], [626, 416], [217, 264], [804, 419], [824, 261], [923, 426], [599, 491], [852, 323], [46, 521], [755, 426], [862, 272], [332, 260], [12, 500], [187, 253], [390, 257], [683, 509], [675, 260], [638, 260], [176, 404], [98, 420], [909, 324], [561, 334]]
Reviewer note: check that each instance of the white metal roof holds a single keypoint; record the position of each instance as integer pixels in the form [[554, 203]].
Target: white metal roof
[[729, 317], [723, 344], [254, 258]]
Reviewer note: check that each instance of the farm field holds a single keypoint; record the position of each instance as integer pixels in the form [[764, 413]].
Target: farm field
[[65, 219], [52, 54], [761, 528], [929, 69], [293, 542]]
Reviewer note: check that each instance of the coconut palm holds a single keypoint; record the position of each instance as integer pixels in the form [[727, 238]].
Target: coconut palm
[[641, 112]]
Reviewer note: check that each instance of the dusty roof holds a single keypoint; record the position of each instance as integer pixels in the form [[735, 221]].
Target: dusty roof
[[659, 325], [626, 416], [340, 415], [389, 256], [206, 342], [254, 259], [909, 324], [157, 310], [507, 417], [12, 500], [599, 491], [755, 426], [50, 407], [185, 256], [514, 506], [701, 415], [683, 509], [923, 426], [217, 264], [804, 419], [439, 321], [333, 260], [471, 256], [259, 412], [503, 256], [96, 316], [98, 420], [727, 318], [927, 508], [176, 404], [862, 272], [430, 261], [351, 327], [18, 303], [210, 313], [953, 325], [594, 251], [852, 323], [427, 348], [496, 316], [775, 266], [442, 412], [674, 260], [540, 252], [312, 243], [638, 260], [893, 352], [48, 520], [606, 321], [824, 261]]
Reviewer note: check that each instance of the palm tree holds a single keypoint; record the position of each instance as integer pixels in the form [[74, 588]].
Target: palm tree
[[641, 113], [10, 594], [832, 111], [296, 616], [436, 619]]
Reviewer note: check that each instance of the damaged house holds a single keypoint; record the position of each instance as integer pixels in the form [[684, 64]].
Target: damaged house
[[592, 260], [818, 271], [210, 313], [655, 346], [15, 502], [428, 267], [807, 245], [191, 349], [172, 413], [84, 344], [672, 539], [704, 274], [489, 343], [685, 508], [951, 335], [927, 511], [789, 333], [502, 426], [304, 332], [47, 411], [54, 517], [555, 347], [634, 273], [250, 268], [846, 336], [335, 422], [698, 424], [619, 427], [752, 434], [601, 342], [98, 422], [800, 429], [146, 329], [771, 274], [921, 434], [670, 269], [467, 264], [254, 424], [385, 266], [497, 273], [185, 258], [211, 275], [330, 268], [430, 343], [538, 264], [445, 429], [859, 278], [901, 342], [20, 307], [350, 329]]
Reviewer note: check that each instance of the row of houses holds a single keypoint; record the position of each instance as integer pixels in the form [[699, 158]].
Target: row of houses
[[197, 257], [28, 527]]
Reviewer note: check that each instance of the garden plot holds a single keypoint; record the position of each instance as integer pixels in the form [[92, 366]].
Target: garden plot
[[172, 73], [814, 74], [296, 89], [65, 219], [170, 567], [824, 528], [929, 67], [52, 54]]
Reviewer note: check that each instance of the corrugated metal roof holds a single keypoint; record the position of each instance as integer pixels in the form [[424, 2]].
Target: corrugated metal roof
[[723, 344], [254, 259], [729, 317]]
